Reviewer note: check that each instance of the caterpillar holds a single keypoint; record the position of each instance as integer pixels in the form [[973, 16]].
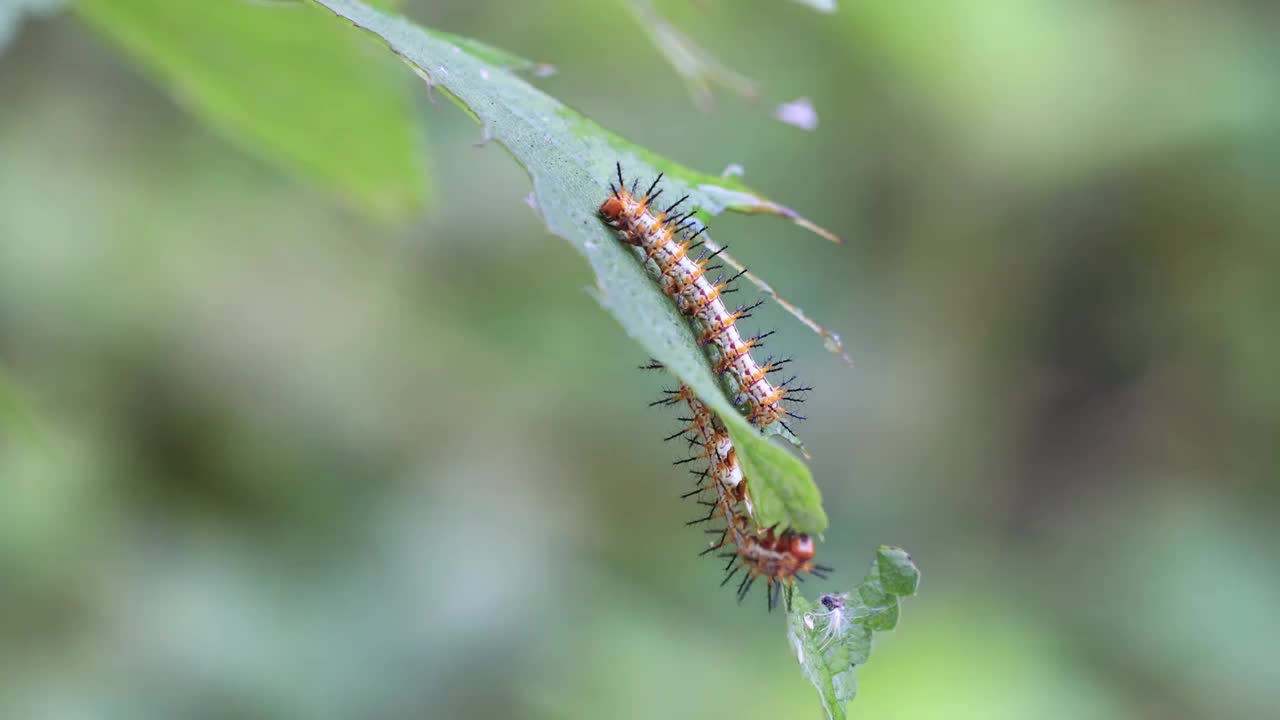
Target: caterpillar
[[666, 238], [781, 558]]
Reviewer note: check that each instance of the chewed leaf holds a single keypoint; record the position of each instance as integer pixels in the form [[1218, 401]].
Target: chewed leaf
[[570, 160], [833, 636]]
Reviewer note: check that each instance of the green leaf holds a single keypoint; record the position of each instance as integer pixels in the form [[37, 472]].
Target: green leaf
[[285, 81], [570, 160], [776, 494], [831, 643]]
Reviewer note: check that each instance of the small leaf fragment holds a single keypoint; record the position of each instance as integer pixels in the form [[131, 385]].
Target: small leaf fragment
[[832, 638]]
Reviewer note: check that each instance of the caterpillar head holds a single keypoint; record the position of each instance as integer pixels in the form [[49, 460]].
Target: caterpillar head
[[799, 545], [613, 210]]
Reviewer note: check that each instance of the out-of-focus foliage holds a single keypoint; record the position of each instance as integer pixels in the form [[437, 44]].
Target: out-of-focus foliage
[[285, 81], [699, 68], [291, 463], [12, 13], [16, 417]]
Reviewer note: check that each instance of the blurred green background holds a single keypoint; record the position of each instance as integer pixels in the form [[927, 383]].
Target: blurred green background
[[263, 456]]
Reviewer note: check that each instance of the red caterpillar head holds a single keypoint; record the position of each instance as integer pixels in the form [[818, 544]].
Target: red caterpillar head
[[779, 558], [792, 551], [620, 208], [613, 209], [799, 545]]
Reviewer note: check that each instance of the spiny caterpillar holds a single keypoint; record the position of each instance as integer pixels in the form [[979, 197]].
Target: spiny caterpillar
[[779, 558], [666, 239]]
